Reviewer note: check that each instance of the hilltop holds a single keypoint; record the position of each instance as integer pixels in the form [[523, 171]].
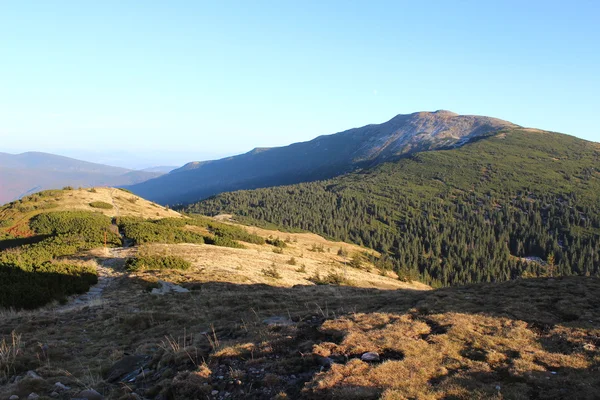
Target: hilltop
[[111, 202], [321, 158]]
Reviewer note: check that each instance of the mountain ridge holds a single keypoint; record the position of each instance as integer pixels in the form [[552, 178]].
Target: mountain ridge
[[323, 157], [29, 172]]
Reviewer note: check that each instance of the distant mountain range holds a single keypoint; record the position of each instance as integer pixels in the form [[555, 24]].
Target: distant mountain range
[[26, 173], [321, 158]]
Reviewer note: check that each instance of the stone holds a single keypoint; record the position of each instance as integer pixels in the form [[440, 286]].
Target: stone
[[59, 386], [214, 392], [126, 368], [278, 321], [33, 396], [168, 287], [13, 397], [370, 356], [325, 362], [33, 375], [146, 373], [55, 395], [89, 394]]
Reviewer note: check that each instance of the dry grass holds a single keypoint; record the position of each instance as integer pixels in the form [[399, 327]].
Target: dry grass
[[524, 339]]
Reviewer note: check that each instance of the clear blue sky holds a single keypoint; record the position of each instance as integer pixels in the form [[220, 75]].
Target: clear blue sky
[[184, 80]]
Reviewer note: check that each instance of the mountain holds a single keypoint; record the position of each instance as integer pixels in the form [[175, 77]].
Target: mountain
[[26, 173], [519, 202], [321, 158], [163, 169]]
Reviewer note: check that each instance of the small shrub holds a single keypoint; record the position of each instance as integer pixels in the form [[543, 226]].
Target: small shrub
[[93, 190], [132, 200], [276, 242], [302, 269], [271, 272], [278, 250], [68, 188], [342, 252], [291, 261], [332, 278], [101, 204], [317, 248], [125, 190], [9, 351], [234, 233], [156, 262], [355, 262]]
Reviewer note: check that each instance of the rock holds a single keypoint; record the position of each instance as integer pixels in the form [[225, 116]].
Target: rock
[[59, 386], [89, 394], [325, 362], [214, 392], [370, 356], [33, 396], [54, 395], [126, 368], [168, 287], [278, 321], [33, 375], [143, 375], [13, 397]]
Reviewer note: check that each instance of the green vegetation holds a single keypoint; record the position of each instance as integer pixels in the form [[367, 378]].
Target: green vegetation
[[31, 273], [21, 288], [471, 214], [173, 230], [332, 278], [157, 262], [142, 231], [86, 226], [101, 204]]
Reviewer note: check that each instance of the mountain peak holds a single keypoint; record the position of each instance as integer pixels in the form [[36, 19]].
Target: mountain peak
[[323, 157]]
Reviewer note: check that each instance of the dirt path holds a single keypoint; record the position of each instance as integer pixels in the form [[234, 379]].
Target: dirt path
[[109, 269]]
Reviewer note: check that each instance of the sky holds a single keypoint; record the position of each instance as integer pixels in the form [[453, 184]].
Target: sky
[[143, 83]]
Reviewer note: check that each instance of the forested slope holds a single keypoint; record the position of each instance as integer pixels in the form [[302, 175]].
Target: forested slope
[[469, 214]]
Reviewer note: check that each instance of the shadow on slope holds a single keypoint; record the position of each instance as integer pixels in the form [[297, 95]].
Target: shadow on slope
[[521, 339]]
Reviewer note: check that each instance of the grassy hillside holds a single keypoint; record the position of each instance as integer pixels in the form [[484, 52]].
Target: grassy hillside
[[15, 216], [265, 314], [42, 234], [476, 213]]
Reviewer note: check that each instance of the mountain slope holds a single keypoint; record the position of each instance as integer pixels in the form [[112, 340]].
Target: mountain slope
[[26, 173], [481, 212], [321, 158]]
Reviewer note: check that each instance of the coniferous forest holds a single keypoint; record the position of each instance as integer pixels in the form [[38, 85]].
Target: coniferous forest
[[518, 203]]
